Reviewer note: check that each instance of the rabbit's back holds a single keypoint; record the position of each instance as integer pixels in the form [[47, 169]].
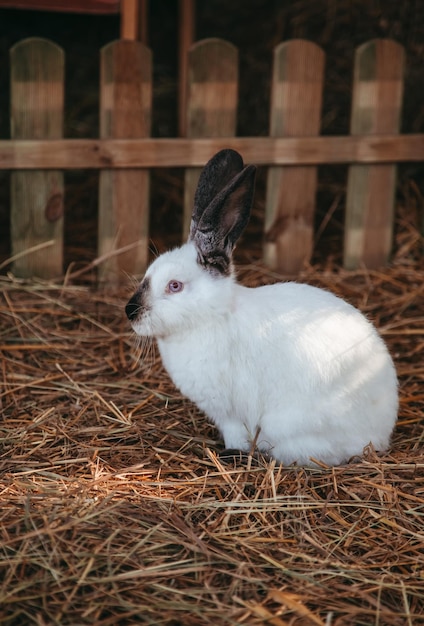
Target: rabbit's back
[[326, 381]]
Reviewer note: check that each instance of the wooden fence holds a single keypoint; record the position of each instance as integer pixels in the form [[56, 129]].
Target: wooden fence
[[37, 153]]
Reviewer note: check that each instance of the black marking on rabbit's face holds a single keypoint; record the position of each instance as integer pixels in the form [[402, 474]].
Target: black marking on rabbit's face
[[138, 303]]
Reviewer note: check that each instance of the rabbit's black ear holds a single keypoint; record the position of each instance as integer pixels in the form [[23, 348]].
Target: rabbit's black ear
[[223, 221], [216, 175]]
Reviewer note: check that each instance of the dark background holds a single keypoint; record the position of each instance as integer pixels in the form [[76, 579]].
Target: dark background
[[255, 27]]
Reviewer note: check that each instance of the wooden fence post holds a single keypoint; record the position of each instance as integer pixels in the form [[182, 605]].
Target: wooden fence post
[[125, 113], [37, 99], [296, 101], [186, 32], [212, 102], [376, 109]]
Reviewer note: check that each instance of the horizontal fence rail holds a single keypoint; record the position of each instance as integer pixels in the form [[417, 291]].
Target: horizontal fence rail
[[71, 154], [37, 154]]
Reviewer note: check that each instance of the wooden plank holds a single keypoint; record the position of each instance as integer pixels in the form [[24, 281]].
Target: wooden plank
[[376, 109], [125, 111], [296, 103], [134, 153], [67, 6], [186, 39], [37, 98], [212, 102], [130, 20]]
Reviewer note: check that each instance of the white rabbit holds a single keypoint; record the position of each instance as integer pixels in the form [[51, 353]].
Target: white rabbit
[[295, 366]]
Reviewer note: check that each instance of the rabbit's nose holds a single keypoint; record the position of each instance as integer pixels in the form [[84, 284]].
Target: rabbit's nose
[[132, 309]]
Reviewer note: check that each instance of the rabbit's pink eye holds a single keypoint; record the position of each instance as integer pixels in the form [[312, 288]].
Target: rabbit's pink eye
[[174, 286]]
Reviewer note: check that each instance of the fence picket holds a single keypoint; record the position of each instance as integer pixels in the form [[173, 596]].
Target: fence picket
[[37, 98], [376, 109], [296, 102], [212, 102], [125, 112]]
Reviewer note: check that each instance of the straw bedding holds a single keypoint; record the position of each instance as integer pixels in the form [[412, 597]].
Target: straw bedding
[[116, 507]]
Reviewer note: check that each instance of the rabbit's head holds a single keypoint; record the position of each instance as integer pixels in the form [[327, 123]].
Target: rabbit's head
[[194, 281]]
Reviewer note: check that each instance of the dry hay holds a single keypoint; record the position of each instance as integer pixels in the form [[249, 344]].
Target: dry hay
[[116, 508]]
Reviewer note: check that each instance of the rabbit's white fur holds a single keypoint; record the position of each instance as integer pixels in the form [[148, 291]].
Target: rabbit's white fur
[[296, 362]]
